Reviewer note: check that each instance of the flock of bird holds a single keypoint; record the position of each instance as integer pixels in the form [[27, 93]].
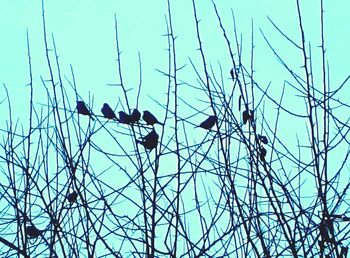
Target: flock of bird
[[150, 141]]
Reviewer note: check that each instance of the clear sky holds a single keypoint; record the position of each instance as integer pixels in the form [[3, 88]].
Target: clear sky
[[84, 34]]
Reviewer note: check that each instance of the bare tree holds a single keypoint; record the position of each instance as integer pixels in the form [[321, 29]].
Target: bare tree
[[226, 167]]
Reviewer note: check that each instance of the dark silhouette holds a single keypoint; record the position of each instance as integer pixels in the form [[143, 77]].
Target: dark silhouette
[[263, 139], [262, 153], [135, 116], [33, 232], [72, 197], [124, 118], [108, 112], [232, 73], [208, 123], [150, 141], [74, 188], [344, 251], [247, 115], [83, 110], [149, 118]]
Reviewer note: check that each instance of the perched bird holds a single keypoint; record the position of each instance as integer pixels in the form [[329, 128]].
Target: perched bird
[[247, 115], [135, 115], [150, 141], [82, 109], [124, 118], [72, 197], [232, 73], [262, 153], [208, 123], [149, 118], [151, 136], [108, 112], [33, 232], [263, 139]]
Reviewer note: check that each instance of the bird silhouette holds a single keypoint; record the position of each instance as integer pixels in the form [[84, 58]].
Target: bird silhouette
[[82, 109], [108, 112], [124, 118], [151, 136], [232, 73], [262, 153], [208, 123], [263, 139], [33, 232], [247, 115], [72, 197], [135, 115], [150, 141], [149, 118]]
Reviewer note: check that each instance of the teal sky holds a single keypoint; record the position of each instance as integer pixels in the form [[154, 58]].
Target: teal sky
[[84, 34]]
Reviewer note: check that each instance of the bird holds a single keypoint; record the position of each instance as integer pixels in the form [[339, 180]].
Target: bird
[[135, 115], [247, 115], [33, 232], [262, 153], [108, 112], [72, 197], [82, 109], [149, 118], [208, 123], [263, 139], [124, 118], [232, 73], [150, 141], [151, 136]]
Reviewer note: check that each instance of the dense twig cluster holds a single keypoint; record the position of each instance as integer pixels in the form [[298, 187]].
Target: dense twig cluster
[[80, 183]]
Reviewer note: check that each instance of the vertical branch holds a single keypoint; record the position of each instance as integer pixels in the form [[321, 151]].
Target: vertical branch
[[325, 104], [310, 107], [173, 74], [144, 197], [28, 151]]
